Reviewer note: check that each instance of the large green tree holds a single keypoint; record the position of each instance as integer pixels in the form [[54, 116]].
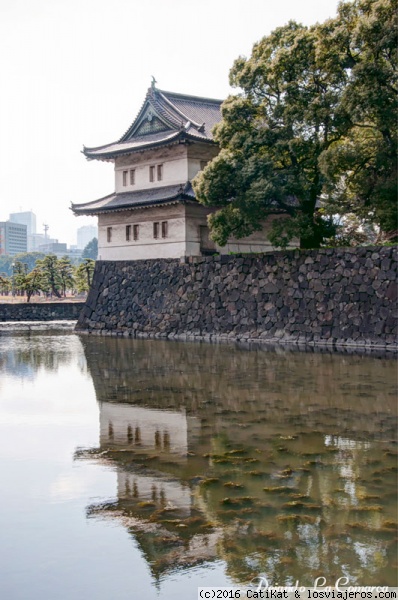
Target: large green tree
[[361, 167], [280, 136]]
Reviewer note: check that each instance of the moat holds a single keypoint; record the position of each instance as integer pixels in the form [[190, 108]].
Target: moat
[[144, 468]]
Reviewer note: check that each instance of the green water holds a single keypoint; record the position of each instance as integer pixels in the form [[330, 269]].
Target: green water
[[165, 466]]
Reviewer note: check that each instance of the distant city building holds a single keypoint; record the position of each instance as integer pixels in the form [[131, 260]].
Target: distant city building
[[85, 234], [19, 234], [13, 238], [74, 253], [53, 247], [27, 218], [38, 241]]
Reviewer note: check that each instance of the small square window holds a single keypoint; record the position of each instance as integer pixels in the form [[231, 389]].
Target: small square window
[[132, 176], [165, 227], [203, 163], [109, 234], [125, 178], [128, 232], [156, 230], [136, 232], [151, 174], [160, 172]]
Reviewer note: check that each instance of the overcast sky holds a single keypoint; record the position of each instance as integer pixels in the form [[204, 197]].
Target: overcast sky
[[75, 72]]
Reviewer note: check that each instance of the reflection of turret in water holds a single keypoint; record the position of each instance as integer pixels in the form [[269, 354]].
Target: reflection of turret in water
[[161, 491], [147, 447], [146, 429], [262, 455], [297, 517]]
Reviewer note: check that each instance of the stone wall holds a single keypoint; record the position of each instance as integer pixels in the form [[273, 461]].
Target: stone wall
[[333, 296], [35, 311]]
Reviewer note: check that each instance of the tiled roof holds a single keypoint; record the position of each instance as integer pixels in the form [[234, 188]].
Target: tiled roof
[[164, 118], [139, 143], [200, 110], [141, 198]]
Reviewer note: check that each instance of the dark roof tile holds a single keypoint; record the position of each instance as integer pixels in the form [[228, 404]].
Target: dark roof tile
[[177, 114], [141, 198]]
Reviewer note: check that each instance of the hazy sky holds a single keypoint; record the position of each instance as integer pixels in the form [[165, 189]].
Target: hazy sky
[[75, 72]]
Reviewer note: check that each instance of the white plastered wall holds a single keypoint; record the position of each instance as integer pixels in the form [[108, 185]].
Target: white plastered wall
[[196, 216], [146, 247], [256, 242], [175, 168], [183, 234]]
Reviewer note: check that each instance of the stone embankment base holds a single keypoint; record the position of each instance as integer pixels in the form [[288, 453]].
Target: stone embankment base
[[40, 311], [329, 297], [301, 343]]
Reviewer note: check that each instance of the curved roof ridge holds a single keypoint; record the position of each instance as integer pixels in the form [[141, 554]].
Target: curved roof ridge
[[168, 111], [177, 110], [178, 113], [149, 98], [203, 99], [121, 139]]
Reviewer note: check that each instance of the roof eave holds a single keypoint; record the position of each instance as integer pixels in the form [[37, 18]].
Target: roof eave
[[181, 199], [182, 137]]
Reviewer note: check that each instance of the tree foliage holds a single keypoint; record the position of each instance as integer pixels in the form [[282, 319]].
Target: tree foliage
[[50, 275], [91, 250], [28, 258], [65, 271], [361, 167], [308, 135], [33, 283], [5, 265], [19, 271], [84, 275], [5, 284], [52, 281]]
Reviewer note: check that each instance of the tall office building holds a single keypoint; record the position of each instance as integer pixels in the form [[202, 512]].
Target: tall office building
[[13, 238], [85, 234], [27, 218]]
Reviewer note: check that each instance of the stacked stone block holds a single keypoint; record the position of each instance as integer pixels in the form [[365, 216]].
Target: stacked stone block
[[50, 311], [332, 296]]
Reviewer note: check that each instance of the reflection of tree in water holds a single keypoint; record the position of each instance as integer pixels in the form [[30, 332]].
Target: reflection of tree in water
[[24, 355], [301, 518], [279, 463]]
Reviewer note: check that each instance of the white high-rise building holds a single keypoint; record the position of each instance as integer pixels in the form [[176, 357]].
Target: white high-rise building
[[85, 234], [12, 238], [27, 218]]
